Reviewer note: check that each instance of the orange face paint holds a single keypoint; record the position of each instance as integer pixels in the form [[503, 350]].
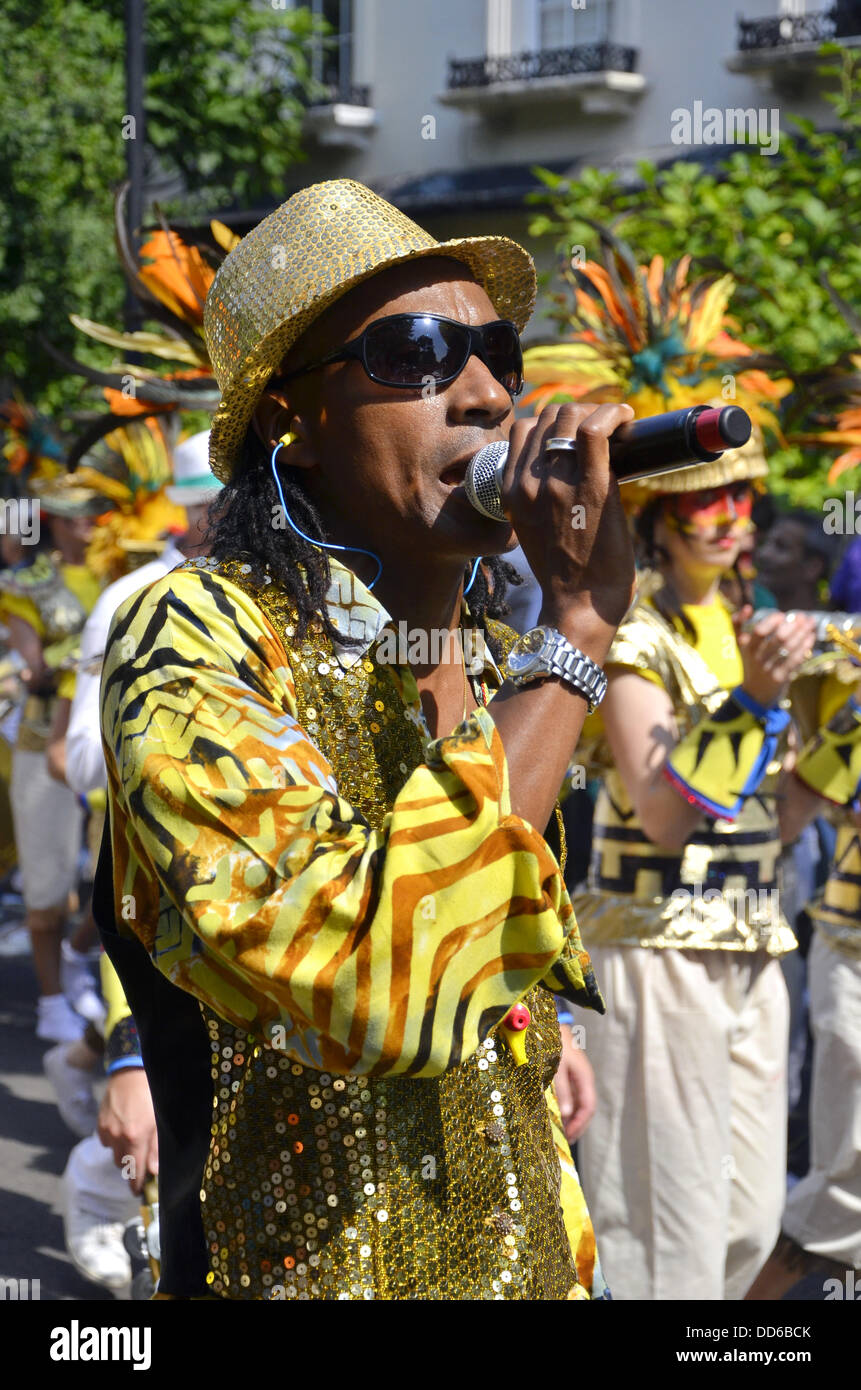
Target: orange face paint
[[730, 506]]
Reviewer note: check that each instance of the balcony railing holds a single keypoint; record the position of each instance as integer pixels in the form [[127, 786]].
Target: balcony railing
[[345, 93], [547, 62], [842, 20]]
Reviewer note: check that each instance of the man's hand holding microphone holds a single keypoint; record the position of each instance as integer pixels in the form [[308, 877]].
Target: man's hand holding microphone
[[587, 578]]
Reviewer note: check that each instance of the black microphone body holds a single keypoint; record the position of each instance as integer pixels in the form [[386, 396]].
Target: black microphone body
[[638, 449]]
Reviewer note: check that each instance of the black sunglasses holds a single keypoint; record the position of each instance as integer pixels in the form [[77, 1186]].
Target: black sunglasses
[[412, 350]]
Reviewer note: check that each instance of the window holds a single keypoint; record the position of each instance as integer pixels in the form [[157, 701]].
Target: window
[[564, 23], [332, 56]]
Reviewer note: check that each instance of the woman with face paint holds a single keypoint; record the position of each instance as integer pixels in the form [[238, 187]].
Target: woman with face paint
[[684, 1164]]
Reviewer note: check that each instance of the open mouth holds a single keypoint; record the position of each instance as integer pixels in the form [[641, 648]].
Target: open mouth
[[454, 475]]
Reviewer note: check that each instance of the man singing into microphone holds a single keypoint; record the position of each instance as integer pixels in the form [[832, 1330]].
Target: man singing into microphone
[[341, 858]]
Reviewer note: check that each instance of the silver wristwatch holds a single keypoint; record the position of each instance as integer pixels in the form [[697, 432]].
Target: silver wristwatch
[[545, 652]]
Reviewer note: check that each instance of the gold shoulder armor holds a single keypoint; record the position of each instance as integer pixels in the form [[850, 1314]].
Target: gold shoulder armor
[[807, 683]]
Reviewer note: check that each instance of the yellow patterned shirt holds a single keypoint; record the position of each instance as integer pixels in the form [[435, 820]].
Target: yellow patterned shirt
[[345, 896]]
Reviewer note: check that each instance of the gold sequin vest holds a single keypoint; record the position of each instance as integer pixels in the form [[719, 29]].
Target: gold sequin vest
[[323, 1186]]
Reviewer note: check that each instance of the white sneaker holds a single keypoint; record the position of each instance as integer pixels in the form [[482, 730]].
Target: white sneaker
[[56, 1021], [91, 1007], [97, 1203], [73, 1088], [14, 940], [97, 1252], [79, 985], [76, 975]]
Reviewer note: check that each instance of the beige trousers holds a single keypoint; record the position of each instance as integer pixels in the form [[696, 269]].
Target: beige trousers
[[684, 1164], [49, 827], [823, 1211]]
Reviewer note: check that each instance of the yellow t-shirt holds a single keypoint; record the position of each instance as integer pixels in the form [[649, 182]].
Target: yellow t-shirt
[[715, 642]]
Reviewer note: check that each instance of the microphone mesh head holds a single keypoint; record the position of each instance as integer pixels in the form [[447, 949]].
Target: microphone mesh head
[[481, 483]]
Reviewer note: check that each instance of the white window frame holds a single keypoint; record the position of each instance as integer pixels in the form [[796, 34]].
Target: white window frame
[[316, 8], [610, 8], [499, 29]]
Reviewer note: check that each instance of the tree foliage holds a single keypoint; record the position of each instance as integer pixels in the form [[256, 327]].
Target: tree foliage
[[783, 225], [223, 108]]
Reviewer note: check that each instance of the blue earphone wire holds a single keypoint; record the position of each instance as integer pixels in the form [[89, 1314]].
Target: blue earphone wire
[[356, 549], [472, 576]]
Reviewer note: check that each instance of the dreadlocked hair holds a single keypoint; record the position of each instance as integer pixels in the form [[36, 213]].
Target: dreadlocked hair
[[244, 525], [652, 555]]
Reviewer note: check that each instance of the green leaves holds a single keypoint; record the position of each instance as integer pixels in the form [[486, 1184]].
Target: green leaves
[[223, 119]]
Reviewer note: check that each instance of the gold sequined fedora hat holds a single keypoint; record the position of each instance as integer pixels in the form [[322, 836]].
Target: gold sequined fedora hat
[[301, 258]]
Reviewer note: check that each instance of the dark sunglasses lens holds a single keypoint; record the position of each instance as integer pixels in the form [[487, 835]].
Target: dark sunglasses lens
[[503, 354], [408, 351]]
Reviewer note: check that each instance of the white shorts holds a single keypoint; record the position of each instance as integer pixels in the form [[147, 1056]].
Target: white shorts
[[48, 821]]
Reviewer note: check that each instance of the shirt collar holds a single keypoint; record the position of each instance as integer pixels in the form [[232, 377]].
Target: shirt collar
[[354, 610]]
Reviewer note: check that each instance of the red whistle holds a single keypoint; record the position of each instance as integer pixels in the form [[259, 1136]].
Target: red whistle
[[513, 1028], [517, 1018]]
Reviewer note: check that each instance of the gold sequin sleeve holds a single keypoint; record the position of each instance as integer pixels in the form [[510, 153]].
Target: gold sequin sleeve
[[264, 893]]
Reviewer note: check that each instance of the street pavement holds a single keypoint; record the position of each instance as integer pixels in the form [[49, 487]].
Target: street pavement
[[34, 1147]]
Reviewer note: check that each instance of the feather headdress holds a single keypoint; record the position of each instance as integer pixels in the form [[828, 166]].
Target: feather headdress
[[129, 468], [29, 447], [650, 336], [170, 278]]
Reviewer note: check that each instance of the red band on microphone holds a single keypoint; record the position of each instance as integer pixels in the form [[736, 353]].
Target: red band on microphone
[[708, 431]]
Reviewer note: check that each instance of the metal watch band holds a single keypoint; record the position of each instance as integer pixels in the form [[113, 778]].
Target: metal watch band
[[578, 670], [571, 665]]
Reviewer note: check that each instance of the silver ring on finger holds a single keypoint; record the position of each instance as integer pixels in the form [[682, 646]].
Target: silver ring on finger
[[783, 653], [563, 444]]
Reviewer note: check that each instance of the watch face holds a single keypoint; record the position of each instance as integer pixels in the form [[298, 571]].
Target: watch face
[[526, 651]]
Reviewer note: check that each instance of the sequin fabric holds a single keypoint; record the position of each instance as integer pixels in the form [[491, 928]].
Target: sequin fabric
[[299, 260], [445, 1188], [283, 883], [426, 1189]]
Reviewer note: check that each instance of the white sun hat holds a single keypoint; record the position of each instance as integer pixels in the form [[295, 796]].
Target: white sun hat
[[193, 480]]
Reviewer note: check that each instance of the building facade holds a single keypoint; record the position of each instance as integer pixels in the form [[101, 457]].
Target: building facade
[[446, 107]]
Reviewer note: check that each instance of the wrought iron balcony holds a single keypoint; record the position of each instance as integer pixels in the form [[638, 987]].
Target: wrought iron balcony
[[342, 93], [842, 20], [340, 116], [548, 62]]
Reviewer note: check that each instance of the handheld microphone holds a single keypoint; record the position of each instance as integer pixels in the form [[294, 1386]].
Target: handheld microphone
[[638, 449]]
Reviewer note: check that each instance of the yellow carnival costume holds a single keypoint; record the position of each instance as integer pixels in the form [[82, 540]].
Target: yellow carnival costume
[[829, 718], [53, 599], [355, 907], [722, 889]]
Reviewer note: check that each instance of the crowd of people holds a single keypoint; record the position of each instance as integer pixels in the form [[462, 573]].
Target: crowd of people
[[384, 940], [56, 611]]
